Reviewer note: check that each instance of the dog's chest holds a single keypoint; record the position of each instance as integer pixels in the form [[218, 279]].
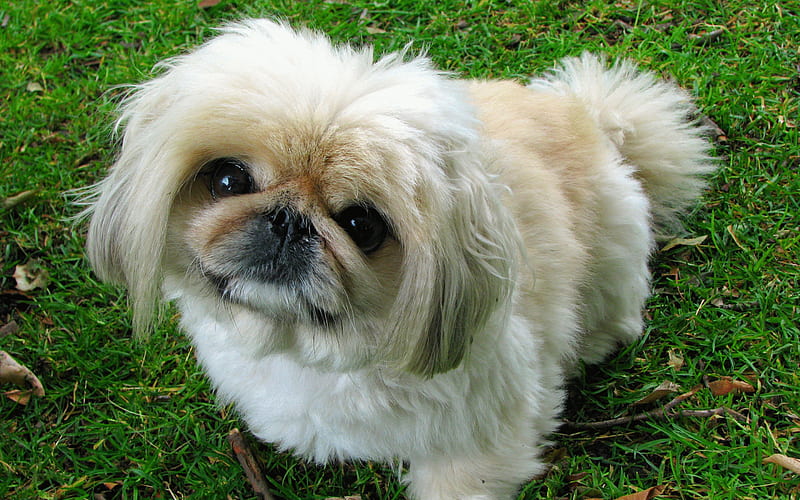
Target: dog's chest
[[326, 416]]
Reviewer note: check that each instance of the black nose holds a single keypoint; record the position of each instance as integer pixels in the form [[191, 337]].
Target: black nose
[[279, 246], [289, 225]]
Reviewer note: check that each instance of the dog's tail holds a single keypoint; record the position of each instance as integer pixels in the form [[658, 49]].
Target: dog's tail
[[652, 122]]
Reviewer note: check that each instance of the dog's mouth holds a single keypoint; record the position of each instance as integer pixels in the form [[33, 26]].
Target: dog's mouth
[[279, 302]]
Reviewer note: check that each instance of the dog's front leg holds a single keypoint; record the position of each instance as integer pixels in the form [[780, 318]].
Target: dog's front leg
[[490, 475]]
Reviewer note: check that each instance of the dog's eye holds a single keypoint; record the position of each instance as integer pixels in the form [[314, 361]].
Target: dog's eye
[[228, 177], [364, 225]]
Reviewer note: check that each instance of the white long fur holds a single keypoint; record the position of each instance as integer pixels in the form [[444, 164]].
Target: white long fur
[[463, 378]]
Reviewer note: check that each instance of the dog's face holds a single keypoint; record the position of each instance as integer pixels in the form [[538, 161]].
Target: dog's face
[[307, 200], [297, 232]]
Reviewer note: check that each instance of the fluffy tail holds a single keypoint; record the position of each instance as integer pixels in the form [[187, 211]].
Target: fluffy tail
[[652, 123]]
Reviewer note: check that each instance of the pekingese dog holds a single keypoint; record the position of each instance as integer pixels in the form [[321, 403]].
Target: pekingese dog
[[378, 261]]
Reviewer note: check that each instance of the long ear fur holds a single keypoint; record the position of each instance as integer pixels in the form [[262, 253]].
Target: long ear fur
[[129, 208], [453, 291]]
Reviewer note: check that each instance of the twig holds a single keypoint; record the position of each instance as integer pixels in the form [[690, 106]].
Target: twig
[[19, 198], [249, 464], [722, 410], [707, 38], [739, 307], [683, 397], [665, 412]]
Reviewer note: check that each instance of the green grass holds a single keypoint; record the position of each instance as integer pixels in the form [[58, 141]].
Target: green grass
[[125, 420]]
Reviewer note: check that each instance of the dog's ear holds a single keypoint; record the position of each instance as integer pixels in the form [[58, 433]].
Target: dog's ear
[[129, 209], [462, 279]]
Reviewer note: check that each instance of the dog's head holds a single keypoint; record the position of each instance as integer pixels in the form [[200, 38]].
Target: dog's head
[[313, 200]]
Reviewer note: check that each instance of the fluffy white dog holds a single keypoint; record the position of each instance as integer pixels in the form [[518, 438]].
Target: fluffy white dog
[[378, 261]]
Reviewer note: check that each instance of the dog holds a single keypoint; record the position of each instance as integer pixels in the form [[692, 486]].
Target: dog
[[376, 260]]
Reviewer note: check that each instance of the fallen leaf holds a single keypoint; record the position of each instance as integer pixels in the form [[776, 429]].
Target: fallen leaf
[[727, 385], [686, 242], [788, 463], [666, 387], [31, 276], [462, 25], [34, 87], [10, 328], [644, 494], [514, 41], [574, 483], [13, 372], [19, 396], [372, 30], [675, 360], [577, 477], [555, 455], [204, 4]]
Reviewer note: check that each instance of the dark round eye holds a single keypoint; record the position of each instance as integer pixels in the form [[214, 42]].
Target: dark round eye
[[228, 177], [364, 225]]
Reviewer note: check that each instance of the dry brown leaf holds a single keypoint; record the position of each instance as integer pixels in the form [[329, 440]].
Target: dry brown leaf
[[789, 463], [19, 396], [204, 4], [727, 385], [686, 242], [13, 372], [644, 494], [107, 490], [574, 481], [666, 387], [31, 276], [10, 328], [675, 360]]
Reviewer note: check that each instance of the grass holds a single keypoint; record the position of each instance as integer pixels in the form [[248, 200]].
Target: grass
[[128, 420]]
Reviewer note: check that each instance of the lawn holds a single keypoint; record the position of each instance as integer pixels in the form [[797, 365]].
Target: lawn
[[122, 419]]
